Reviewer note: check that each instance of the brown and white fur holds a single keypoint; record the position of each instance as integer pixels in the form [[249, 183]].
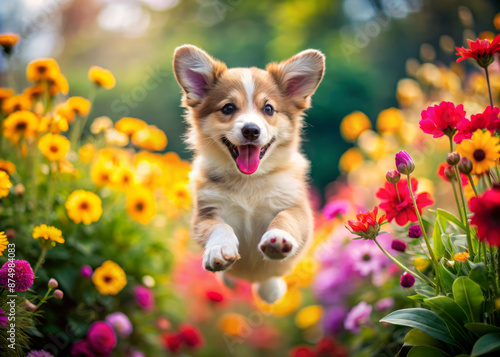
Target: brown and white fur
[[252, 217]]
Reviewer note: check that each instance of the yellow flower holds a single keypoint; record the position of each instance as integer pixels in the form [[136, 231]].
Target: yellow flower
[[483, 149], [141, 205], [7, 41], [123, 179], [353, 125], [303, 273], [58, 84], [390, 121], [34, 92], [308, 316], [42, 69], [7, 166], [129, 126], [72, 107], [373, 144], [86, 152], [289, 303], [54, 124], [179, 195], [5, 184], [5, 93], [3, 242], [234, 324], [421, 264], [23, 123], [461, 257], [102, 77], [350, 160], [101, 172], [48, 232], [16, 103], [408, 92], [100, 124], [150, 138], [109, 278], [84, 206], [54, 146], [114, 137]]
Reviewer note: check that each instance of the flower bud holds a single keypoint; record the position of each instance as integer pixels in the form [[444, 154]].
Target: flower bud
[[465, 166], [30, 306], [58, 294], [393, 176], [449, 172], [20, 190], [415, 231], [407, 280], [404, 163], [10, 233], [453, 158], [86, 272], [53, 284], [398, 245]]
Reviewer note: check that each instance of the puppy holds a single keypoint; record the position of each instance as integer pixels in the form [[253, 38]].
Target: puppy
[[249, 180]]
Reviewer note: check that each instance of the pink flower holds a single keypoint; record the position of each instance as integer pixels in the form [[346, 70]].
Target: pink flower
[[3, 318], [23, 275], [485, 120], [442, 119], [407, 280], [82, 348], [335, 208], [101, 337], [86, 272], [144, 297], [481, 51], [358, 316]]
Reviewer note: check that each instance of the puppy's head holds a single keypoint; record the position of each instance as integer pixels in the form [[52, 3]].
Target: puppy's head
[[246, 119]]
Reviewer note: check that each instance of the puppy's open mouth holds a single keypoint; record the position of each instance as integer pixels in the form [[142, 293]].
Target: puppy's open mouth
[[247, 157]]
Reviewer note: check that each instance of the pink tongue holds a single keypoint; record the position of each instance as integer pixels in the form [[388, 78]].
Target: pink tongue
[[248, 160]]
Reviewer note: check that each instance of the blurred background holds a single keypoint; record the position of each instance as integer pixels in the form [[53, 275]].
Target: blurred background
[[366, 42]]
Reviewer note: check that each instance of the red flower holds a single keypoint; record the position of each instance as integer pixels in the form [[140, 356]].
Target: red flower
[[302, 351], [327, 346], [402, 210], [215, 296], [367, 226], [486, 209], [440, 172], [486, 120], [171, 341], [191, 336], [441, 119], [480, 50]]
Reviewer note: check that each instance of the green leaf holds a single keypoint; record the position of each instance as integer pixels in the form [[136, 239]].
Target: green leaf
[[478, 275], [426, 351], [418, 298], [479, 329], [439, 248], [423, 289], [450, 217], [446, 276], [418, 338], [453, 316], [469, 297], [486, 344], [422, 319], [459, 242]]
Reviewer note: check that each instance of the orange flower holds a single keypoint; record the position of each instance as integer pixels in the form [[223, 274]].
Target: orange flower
[[141, 205], [58, 84], [150, 138], [461, 257], [5, 93], [34, 92], [102, 77], [129, 126], [72, 107], [179, 195], [42, 69], [7, 41], [84, 206], [20, 124], [367, 226], [101, 172], [86, 152], [16, 103], [123, 179], [54, 147], [7, 166]]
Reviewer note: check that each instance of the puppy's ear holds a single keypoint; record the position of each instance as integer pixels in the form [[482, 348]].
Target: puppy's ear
[[299, 76], [195, 72]]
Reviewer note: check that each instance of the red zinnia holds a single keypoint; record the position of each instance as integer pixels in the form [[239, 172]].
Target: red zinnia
[[302, 351], [440, 172], [367, 226], [402, 210], [442, 119], [171, 341], [486, 209], [480, 50], [485, 120], [191, 336]]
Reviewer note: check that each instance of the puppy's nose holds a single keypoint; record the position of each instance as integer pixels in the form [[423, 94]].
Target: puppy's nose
[[250, 132]]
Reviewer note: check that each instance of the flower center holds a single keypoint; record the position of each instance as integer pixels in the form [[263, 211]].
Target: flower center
[[108, 279], [54, 149], [479, 155], [84, 206], [17, 107], [139, 206], [21, 126], [42, 69], [366, 257]]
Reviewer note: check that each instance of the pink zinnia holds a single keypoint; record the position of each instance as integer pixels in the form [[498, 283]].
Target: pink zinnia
[[485, 120], [101, 338], [442, 119], [357, 317], [144, 297], [23, 275]]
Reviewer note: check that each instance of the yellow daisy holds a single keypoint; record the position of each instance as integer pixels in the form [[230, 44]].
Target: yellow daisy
[[101, 172], [53, 146], [141, 205], [150, 138], [72, 107], [16, 103], [123, 179], [461, 257], [129, 126], [84, 206], [34, 92], [3, 242], [102, 77], [58, 84], [390, 121], [7, 166], [42, 69], [350, 160], [100, 124], [86, 152], [179, 195], [483, 150], [109, 278], [353, 125], [48, 233], [5, 184], [20, 124]]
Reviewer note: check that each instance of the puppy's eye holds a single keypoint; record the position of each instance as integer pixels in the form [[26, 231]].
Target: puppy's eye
[[228, 109], [268, 109]]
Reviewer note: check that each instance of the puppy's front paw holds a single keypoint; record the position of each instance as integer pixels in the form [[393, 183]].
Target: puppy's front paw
[[219, 257], [277, 244]]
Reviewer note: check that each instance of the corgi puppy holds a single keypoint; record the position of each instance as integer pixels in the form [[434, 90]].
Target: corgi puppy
[[249, 179]]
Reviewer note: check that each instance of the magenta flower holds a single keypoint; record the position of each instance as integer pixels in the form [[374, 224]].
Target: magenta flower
[[86, 272], [101, 338], [357, 317], [40, 353], [82, 348], [333, 319], [335, 208], [407, 280], [442, 119], [120, 323], [23, 277], [415, 231], [3, 318], [485, 120], [144, 297], [398, 245], [384, 304], [365, 258], [404, 163]]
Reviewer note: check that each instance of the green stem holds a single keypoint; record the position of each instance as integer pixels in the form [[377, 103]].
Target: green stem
[[488, 179], [464, 205], [416, 273], [451, 143], [79, 125], [49, 193], [397, 192], [44, 298], [485, 255], [472, 184], [497, 172], [41, 260], [457, 202], [489, 86]]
